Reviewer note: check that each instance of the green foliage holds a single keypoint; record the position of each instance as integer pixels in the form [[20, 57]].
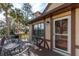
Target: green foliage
[[3, 31], [17, 15], [27, 10], [12, 13], [5, 6]]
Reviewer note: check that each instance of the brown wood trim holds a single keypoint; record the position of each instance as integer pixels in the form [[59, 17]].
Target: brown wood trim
[[61, 16], [77, 46], [46, 43], [48, 40], [62, 8], [32, 31], [47, 7], [44, 32], [73, 32], [38, 23], [51, 33]]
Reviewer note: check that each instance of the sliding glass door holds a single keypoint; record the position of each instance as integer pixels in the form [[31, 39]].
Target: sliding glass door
[[38, 32]]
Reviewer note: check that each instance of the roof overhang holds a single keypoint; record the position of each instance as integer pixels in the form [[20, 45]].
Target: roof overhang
[[63, 8]]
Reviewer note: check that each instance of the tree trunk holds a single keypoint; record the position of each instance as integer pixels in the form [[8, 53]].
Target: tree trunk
[[7, 23]]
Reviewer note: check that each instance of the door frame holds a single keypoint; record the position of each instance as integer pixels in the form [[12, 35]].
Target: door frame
[[69, 36]]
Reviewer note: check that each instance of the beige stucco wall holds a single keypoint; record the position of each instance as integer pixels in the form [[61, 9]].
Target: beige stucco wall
[[48, 45], [38, 22], [30, 31], [77, 52], [77, 30], [36, 14], [47, 30], [62, 15], [53, 5], [77, 26]]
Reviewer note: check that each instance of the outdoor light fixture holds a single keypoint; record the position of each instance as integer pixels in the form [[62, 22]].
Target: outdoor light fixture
[[47, 21]]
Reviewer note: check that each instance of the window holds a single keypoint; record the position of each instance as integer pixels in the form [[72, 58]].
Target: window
[[61, 26], [62, 34], [38, 30]]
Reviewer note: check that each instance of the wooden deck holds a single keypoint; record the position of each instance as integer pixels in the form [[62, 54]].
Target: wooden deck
[[45, 52]]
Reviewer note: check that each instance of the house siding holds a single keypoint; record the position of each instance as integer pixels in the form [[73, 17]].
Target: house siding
[[52, 6], [48, 27], [42, 21], [47, 31], [77, 30], [30, 31], [62, 15]]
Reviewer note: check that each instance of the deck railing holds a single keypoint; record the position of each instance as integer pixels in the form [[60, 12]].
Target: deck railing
[[38, 41]]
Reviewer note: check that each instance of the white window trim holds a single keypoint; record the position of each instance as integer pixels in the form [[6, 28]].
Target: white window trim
[[68, 34]]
